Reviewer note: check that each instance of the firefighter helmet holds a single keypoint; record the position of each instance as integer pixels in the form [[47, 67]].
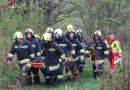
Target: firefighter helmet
[[98, 33], [46, 37], [79, 31], [58, 33], [29, 30], [70, 28], [18, 35], [49, 30]]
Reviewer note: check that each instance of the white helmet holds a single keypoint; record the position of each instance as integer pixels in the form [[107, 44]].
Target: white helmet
[[79, 31], [36, 36], [98, 33], [49, 29], [58, 33], [18, 35], [29, 30]]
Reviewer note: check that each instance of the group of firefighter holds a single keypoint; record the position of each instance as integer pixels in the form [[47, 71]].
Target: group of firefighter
[[58, 55]]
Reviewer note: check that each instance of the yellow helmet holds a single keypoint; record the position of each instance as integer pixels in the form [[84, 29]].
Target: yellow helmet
[[70, 28], [98, 33], [18, 35], [46, 36], [29, 30]]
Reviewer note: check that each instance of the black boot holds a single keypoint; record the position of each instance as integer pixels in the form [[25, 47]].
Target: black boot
[[59, 81], [36, 79], [23, 81], [48, 81], [54, 81], [95, 75], [94, 71], [80, 69], [110, 76], [29, 80]]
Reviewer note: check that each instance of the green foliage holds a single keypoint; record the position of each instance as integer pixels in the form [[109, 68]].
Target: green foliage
[[8, 74], [88, 15]]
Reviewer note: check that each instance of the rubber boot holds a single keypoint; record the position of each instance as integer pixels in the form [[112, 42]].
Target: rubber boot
[[80, 69], [95, 75], [23, 81], [36, 79], [29, 80], [94, 71], [110, 76], [54, 81], [48, 80]]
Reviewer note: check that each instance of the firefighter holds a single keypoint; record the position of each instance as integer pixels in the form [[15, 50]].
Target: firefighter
[[25, 55], [37, 50], [66, 45], [115, 52], [67, 31], [99, 53], [51, 52], [79, 34], [79, 51]]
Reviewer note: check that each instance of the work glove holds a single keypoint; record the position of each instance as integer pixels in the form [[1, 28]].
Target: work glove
[[118, 61], [106, 59], [43, 58], [69, 59], [63, 57]]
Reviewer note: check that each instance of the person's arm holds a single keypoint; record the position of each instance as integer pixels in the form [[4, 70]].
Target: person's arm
[[31, 51], [81, 50], [105, 49], [43, 52], [107, 44], [80, 47], [119, 48], [11, 53], [59, 51], [38, 47], [70, 47]]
